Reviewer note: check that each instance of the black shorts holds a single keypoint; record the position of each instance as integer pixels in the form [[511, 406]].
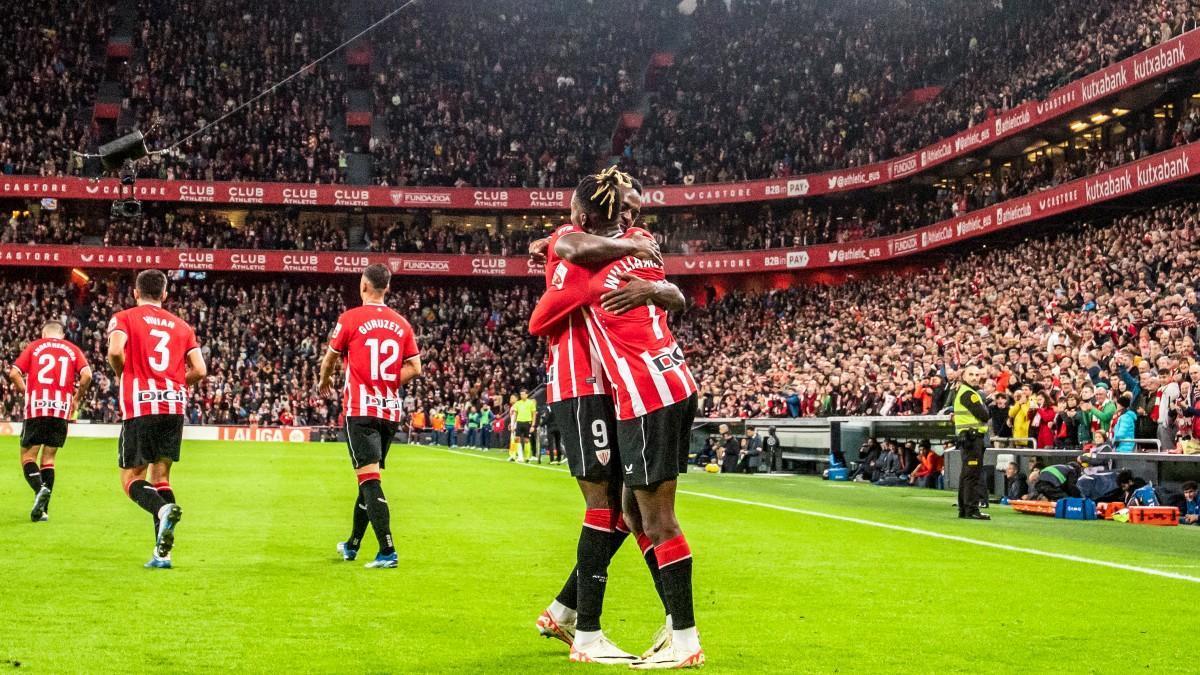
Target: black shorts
[[369, 439], [524, 429], [587, 428], [654, 447], [48, 431], [149, 438]]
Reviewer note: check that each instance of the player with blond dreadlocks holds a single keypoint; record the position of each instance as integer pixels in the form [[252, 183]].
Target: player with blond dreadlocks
[[582, 407]]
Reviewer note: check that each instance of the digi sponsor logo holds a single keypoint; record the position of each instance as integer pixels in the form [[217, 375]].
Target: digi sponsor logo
[[161, 396], [489, 266]]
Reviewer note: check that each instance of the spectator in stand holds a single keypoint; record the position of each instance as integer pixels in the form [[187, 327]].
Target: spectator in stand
[[1124, 428], [830, 101], [1001, 425]]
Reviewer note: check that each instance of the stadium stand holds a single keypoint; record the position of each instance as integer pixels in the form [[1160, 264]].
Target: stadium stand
[[49, 80], [843, 96], [221, 53], [1124, 298], [734, 227], [1127, 288], [463, 116]]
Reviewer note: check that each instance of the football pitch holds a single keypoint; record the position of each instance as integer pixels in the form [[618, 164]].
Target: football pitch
[[791, 574]]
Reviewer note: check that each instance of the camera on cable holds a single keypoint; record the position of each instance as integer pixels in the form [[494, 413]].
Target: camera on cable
[[122, 155]]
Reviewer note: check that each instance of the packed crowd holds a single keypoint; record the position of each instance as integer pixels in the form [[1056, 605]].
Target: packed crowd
[[48, 79], [506, 93], [263, 342], [1069, 323], [758, 226], [525, 94], [736, 227], [275, 230], [199, 60], [844, 95]]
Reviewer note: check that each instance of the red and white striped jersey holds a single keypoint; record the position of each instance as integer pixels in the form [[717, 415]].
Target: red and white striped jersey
[[573, 368], [50, 367], [642, 363], [374, 341], [157, 343]]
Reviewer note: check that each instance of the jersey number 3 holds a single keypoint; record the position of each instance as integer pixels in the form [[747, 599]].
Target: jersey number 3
[[162, 350]]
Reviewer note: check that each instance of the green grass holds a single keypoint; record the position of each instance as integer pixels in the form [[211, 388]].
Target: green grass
[[485, 545]]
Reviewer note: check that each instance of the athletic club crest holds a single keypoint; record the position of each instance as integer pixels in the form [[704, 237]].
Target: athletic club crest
[[602, 456]]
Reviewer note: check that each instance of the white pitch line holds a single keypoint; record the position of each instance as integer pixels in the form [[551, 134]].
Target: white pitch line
[[952, 537], [900, 528]]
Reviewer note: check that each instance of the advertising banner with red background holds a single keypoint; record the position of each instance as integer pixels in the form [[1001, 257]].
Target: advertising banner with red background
[[1175, 53], [1157, 170]]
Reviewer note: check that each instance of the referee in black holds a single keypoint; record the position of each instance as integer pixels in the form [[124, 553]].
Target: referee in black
[[970, 426]]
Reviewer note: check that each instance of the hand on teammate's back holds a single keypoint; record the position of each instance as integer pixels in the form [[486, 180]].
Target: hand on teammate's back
[[537, 249], [647, 248], [635, 292]]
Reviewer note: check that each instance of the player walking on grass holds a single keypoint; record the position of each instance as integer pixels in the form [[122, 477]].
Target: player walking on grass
[[655, 397], [381, 357], [157, 358], [580, 402], [46, 372]]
